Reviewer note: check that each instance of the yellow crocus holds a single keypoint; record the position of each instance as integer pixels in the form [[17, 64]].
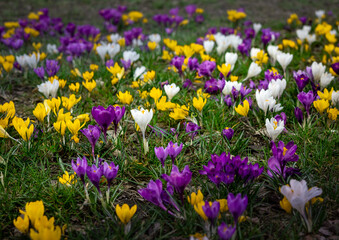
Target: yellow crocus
[[74, 87], [89, 85], [224, 69], [188, 51], [125, 213], [199, 103], [200, 211], [125, 98], [329, 48], [10, 58], [3, 132], [332, 114], [93, 67], [114, 70], [151, 45], [122, 42], [326, 95], [22, 224], [22, 128], [34, 210], [74, 127], [54, 104], [60, 127], [234, 78], [63, 116], [62, 83], [163, 104], [155, 93], [83, 117], [223, 205], [321, 105], [195, 198], [7, 66], [36, 46], [179, 113], [149, 76], [40, 112], [68, 103], [87, 76], [53, 233], [67, 179], [243, 109], [285, 204]]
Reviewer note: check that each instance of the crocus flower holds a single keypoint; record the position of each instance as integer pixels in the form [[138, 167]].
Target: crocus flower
[[266, 101], [274, 127], [118, 113], [306, 99], [211, 210], [282, 154], [80, 168], [301, 78], [277, 87], [125, 213], [236, 205], [173, 150], [192, 129], [153, 193], [92, 133], [299, 195], [40, 72], [171, 91], [298, 114], [142, 117], [94, 174], [226, 232], [52, 67], [284, 59], [49, 89], [110, 171], [325, 79], [206, 68], [253, 70], [104, 117], [179, 180], [318, 69], [161, 154], [228, 133], [335, 67]]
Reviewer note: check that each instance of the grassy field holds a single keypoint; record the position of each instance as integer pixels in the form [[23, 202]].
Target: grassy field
[[30, 170]]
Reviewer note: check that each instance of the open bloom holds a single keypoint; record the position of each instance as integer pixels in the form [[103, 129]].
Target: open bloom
[[94, 174], [49, 89], [142, 117], [171, 91], [110, 171], [298, 195], [274, 127], [173, 150], [226, 232], [80, 168], [125, 213], [211, 210], [266, 101]]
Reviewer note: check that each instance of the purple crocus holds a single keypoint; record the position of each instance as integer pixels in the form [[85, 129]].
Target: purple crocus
[[211, 211], [301, 78], [118, 113], [236, 205], [92, 133], [281, 156], [335, 67], [40, 72], [192, 129], [177, 62], [187, 84], [226, 232], [228, 133], [80, 168], [152, 193], [52, 67], [190, 9], [94, 174], [211, 86], [125, 64], [244, 92], [179, 180], [298, 113], [110, 171], [306, 99], [109, 63], [206, 68], [104, 117], [161, 154], [193, 64], [173, 150], [228, 100]]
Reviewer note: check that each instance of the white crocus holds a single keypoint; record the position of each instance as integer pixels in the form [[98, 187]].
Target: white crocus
[[22, 61], [52, 49], [277, 87], [298, 195], [310, 38], [319, 13], [131, 56], [229, 86], [102, 51], [302, 34], [257, 27], [171, 90], [284, 59], [231, 58], [115, 37], [155, 38], [253, 70], [32, 61], [273, 52], [318, 69], [325, 79], [49, 89], [335, 97], [208, 46], [113, 49], [139, 71], [254, 52], [142, 117], [266, 101], [274, 128]]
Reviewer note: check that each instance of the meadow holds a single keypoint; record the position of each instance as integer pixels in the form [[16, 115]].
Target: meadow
[[170, 123]]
